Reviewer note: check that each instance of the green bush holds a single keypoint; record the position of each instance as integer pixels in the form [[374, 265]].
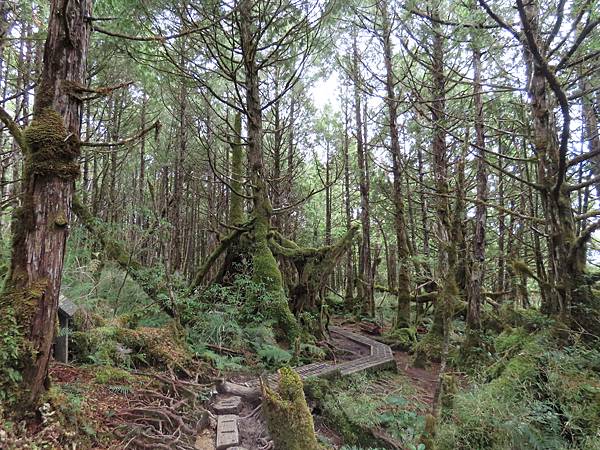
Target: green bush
[[539, 397]]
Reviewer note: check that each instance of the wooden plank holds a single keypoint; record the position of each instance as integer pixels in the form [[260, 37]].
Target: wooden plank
[[227, 431]]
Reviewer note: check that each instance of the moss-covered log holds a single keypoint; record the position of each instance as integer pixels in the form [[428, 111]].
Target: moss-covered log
[[289, 420]]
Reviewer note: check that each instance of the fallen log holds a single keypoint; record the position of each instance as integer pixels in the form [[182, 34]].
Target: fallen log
[[251, 394]]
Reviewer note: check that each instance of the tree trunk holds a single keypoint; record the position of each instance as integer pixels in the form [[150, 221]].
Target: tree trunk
[[365, 285], [474, 299], [403, 290], [52, 149], [265, 268]]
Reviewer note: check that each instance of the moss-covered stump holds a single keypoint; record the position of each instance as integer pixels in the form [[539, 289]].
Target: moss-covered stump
[[429, 349], [289, 420]]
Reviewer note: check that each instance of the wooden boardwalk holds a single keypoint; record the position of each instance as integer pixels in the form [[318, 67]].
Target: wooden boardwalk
[[377, 356]]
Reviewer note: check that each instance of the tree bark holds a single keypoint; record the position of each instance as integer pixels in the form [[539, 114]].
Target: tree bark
[[42, 223], [403, 296]]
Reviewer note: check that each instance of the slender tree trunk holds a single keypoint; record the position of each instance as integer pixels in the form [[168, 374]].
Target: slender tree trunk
[[350, 280], [365, 285], [403, 289], [477, 271]]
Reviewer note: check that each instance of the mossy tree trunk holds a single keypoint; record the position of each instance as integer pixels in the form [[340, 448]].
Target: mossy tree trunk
[[569, 292], [265, 268], [403, 277], [430, 348], [51, 148], [477, 268], [365, 283], [289, 420]]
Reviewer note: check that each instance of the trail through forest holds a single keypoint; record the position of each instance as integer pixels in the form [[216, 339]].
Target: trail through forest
[[246, 428], [194, 192]]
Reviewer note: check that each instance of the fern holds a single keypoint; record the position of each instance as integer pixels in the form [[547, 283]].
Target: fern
[[273, 356], [121, 389]]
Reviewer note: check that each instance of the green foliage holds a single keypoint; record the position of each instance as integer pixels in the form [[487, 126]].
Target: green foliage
[[539, 396], [222, 363], [355, 405], [10, 340], [273, 356], [239, 317], [109, 375]]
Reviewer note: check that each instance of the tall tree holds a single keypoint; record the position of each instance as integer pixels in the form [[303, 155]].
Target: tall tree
[[29, 301]]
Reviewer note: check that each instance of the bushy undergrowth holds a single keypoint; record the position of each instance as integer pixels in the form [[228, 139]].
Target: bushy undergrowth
[[537, 395], [356, 405], [238, 317]]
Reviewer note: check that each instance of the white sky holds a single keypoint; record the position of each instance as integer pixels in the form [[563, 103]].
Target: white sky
[[325, 91]]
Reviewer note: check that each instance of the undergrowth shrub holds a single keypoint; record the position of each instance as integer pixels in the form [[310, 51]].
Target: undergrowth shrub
[[536, 396], [237, 317], [354, 406]]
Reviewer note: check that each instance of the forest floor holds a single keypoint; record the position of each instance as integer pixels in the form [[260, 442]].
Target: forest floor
[[96, 401], [416, 385]]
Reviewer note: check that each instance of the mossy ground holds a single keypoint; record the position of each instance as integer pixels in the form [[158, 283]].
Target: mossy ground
[[76, 412]]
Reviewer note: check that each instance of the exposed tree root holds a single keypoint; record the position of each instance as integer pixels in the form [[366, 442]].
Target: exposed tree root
[[166, 415]]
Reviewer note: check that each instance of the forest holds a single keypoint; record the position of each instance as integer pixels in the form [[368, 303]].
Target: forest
[[300, 224]]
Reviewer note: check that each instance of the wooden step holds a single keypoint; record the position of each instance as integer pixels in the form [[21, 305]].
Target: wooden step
[[227, 431]]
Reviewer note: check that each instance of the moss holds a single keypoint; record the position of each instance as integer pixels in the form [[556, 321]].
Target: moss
[[61, 220], [428, 436], [428, 349], [110, 375], [267, 273], [450, 389], [62, 411], [18, 307], [401, 338], [161, 346], [289, 420], [447, 302], [51, 150]]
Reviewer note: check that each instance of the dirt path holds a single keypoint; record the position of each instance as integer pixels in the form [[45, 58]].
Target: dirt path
[[424, 380]]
